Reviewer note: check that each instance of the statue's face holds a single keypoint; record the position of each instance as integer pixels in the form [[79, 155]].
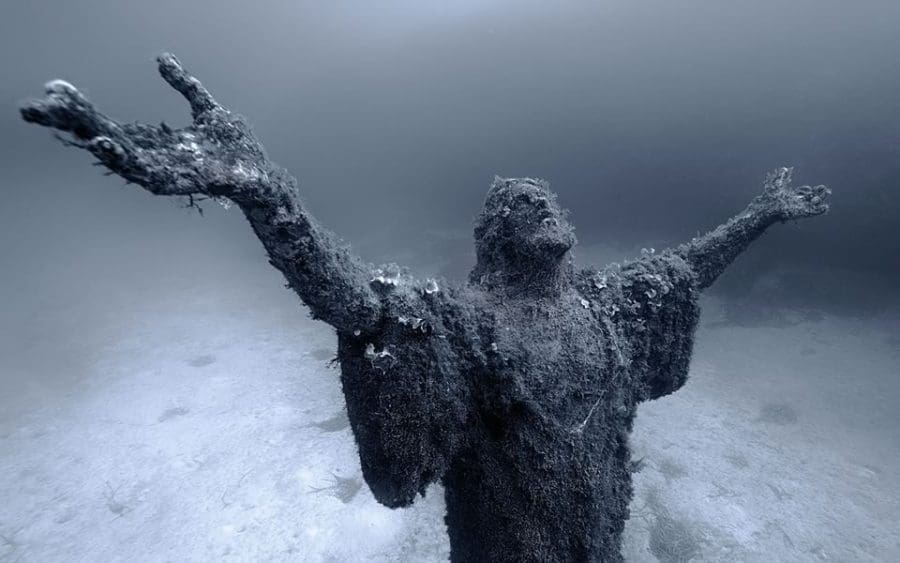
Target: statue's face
[[531, 219]]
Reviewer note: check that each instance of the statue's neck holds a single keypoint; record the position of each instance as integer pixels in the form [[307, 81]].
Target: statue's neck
[[526, 279]]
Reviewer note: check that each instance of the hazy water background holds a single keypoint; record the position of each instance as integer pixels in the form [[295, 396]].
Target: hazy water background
[[651, 120]]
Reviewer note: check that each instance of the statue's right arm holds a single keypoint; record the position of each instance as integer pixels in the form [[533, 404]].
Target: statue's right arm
[[218, 157], [710, 254]]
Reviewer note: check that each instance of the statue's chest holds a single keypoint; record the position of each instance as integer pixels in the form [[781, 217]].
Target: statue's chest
[[550, 353]]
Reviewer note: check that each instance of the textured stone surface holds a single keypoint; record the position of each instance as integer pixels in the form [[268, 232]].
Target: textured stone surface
[[517, 390]]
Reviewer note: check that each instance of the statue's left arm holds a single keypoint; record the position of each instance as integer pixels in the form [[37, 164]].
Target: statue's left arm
[[709, 255], [650, 306]]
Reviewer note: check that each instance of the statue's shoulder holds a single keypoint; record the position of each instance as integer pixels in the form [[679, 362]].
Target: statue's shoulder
[[428, 324], [600, 287], [637, 287], [429, 305]]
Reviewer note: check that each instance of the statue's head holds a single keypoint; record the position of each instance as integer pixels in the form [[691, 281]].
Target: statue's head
[[521, 227]]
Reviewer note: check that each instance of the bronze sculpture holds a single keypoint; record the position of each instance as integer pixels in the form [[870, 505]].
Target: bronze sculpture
[[517, 390]]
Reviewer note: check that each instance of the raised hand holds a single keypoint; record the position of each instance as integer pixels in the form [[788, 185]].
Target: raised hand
[[710, 254], [792, 202], [216, 155]]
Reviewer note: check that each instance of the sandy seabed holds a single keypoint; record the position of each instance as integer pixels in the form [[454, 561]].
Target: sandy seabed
[[201, 423]]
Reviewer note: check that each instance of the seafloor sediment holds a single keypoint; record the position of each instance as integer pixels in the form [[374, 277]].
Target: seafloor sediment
[[198, 424]]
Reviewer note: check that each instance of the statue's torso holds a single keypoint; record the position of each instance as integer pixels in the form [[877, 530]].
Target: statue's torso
[[547, 364], [523, 409], [549, 472]]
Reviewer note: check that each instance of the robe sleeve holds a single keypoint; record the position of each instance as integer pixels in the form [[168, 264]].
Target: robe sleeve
[[406, 394], [650, 309]]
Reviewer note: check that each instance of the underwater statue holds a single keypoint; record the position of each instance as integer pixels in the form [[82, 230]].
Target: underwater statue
[[517, 389]]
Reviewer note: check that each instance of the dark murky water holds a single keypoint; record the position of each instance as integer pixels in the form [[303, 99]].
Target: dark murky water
[[157, 378]]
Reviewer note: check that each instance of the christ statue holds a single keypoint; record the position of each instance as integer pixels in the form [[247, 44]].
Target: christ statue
[[516, 388]]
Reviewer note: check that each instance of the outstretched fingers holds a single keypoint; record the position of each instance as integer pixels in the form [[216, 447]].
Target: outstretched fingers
[[792, 202], [66, 109], [162, 160], [178, 78], [119, 158], [809, 201], [778, 179]]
